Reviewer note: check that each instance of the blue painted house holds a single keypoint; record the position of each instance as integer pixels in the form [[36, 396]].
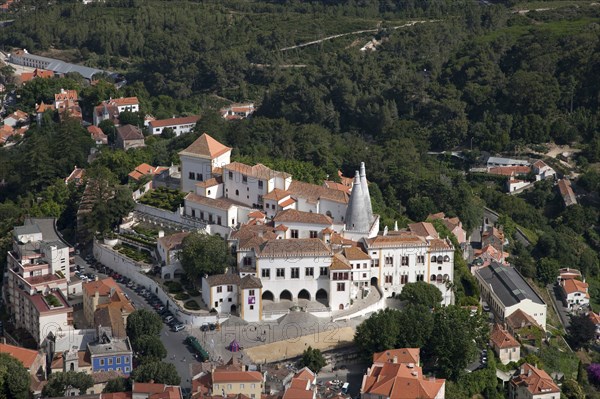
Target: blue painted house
[[110, 354]]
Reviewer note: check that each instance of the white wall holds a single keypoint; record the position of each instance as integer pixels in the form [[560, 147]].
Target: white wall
[[251, 304], [197, 166]]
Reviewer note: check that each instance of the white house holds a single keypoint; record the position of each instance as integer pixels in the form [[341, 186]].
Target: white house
[[16, 117], [220, 292], [505, 290], [302, 224], [248, 184], [180, 126], [542, 171], [506, 347], [110, 110], [575, 293], [199, 160], [167, 248]]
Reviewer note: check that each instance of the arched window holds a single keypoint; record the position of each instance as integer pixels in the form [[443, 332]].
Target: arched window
[[446, 258], [433, 259], [433, 278], [237, 192], [446, 277]]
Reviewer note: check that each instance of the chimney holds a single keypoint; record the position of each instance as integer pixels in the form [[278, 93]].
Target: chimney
[[395, 359], [161, 233]]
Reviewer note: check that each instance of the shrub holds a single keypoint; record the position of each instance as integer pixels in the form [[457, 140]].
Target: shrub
[[193, 292], [182, 296], [191, 305], [174, 287], [594, 373]]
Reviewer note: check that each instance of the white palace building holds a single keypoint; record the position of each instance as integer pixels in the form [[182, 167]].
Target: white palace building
[[300, 243]]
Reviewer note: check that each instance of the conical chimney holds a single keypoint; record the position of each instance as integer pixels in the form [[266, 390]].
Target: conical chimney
[[365, 189], [357, 218]]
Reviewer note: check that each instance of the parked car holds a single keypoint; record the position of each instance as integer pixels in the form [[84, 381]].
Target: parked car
[[204, 327], [159, 308], [212, 326], [168, 319], [178, 327], [130, 284]]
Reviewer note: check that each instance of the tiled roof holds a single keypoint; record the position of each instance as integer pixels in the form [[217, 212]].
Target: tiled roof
[[294, 216], [172, 241], [423, 229], [519, 319], [220, 376], [205, 146], [564, 186], [572, 286], [25, 356], [294, 247], [439, 244], [219, 203], [312, 192], [43, 107], [394, 240], [355, 253], [258, 171], [110, 316], [403, 355], [339, 262], [594, 317], [249, 281], [124, 101], [287, 202], [96, 132], [103, 287], [509, 170], [130, 132], [502, 339], [185, 120], [213, 181], [305, 374], [65, 95], [276, 194], [536, 381], [223, 279], [257, 215]]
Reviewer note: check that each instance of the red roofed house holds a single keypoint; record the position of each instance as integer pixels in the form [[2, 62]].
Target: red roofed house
[[564, 187], [199, 159], [399, 376], [237, 111], [5, 133], [494, 237], [179, 125], [533, 383], [505, 345], [453, 224], [110, 110], [302, 385], [575, 293], [15, 118], [145, 170], [76, 176], [37, 73], [97, 135], [34, 362], [147, 390], [230, 379], [104, 292]]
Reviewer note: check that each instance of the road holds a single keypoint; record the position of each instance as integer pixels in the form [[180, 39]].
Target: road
[[559, 307], [177, 352]]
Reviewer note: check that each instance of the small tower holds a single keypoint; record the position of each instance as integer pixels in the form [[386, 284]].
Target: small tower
[[71, 360], [359, 214]]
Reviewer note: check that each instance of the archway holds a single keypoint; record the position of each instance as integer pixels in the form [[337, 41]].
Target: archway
[[321, 296], [233, 309], [285, 295], [433, 278], [304, 294], [268, 296], [440, 278], [374, 281], [341, 306]]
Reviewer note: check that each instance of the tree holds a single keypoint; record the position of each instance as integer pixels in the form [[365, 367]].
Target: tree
[[108, 127], [378, 333], [143, 322], [59, 383], [159, 372], [455, 340], [415, 324], [131, 118], [118, 384], [547, 270], [581, 331], [572, 390], [313, 359], [150, 348], [14, 378], [167, 133], [421, 293], [204, 254]]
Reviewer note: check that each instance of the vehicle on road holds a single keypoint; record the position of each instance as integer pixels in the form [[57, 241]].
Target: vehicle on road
[[178, 327], [197, 348], [168, 319], [345, 388]]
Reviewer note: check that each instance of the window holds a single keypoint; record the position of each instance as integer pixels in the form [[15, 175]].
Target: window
[[251, 307], [313, 234], [294, 233], [101, 362], [247, 261], [218, 220], [341, 286], [250, 292], [192, 176], [230, 288], [118, 368], [266, 273], [110, 361], [295, 272], [433, 259], [216, 304], [404, 260], [403, 279], [389, 260], [228, 386], [219, 289], [118, 360], [309, 271], [420, 277], [364, 265], [421, 259], [253, 386], [241, 386], [230, 175], [237, 192], [245, 179], [127, 362], [323, 271], [201, 215], [280, 272], [127, 369], [260, 184], [199, 177], [229, 299], [364, 275], [389, 279], [375, 263]]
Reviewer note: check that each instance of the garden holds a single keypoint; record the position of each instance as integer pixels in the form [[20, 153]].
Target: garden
[[133, 253], [52, 301], [163, 198]]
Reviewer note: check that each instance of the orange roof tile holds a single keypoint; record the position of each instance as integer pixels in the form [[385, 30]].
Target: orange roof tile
[[25, 356], [536, 381], [355, 253], [174, 121], [595, 317], [572, 286], [423, 229], [220, 376], [403, 355], [339, 262], [103, 287], [501, 339], [125, 101], [287, 202], [277, 194], [294, 216], [206, 147]]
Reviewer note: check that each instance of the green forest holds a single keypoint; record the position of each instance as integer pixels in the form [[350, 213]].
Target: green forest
[[476, 77]]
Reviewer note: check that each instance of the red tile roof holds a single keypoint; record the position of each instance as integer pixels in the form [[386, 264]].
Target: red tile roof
[[501, 339], [185, 120], [572, 286], [123, 101], [205, 146], [403, 355], [509, 170], [25, 356], [536, 381], [423, 229], [294, 216]]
